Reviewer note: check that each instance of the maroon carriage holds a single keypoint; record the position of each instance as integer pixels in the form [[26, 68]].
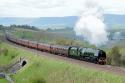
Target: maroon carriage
[[25, 42], [33, 44], [60, 50], [44, 47]]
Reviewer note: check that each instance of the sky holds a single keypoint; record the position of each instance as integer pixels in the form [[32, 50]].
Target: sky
[[55, 8]]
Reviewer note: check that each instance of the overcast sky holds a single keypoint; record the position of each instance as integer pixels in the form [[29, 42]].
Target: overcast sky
[[55, 8]]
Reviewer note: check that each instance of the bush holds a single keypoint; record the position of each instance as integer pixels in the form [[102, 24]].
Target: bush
[[5, 51], [123, 60], [109, 60], [37, 79], [115, 56], [13, 56]]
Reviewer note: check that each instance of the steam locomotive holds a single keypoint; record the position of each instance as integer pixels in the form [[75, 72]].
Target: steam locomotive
[[88, 54]]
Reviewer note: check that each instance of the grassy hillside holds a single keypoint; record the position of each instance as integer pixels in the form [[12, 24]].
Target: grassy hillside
[[49, 70], [57, 36], [65, 33]]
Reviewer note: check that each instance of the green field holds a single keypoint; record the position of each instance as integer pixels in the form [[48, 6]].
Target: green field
[[49, 70]]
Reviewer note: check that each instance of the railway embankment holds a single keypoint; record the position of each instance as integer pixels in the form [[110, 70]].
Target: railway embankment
[[56, 69]]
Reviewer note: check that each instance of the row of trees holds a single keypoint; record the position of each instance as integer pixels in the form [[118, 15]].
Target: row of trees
[[11, 27]]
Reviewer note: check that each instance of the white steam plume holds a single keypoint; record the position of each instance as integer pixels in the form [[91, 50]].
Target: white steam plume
[[90, 24]]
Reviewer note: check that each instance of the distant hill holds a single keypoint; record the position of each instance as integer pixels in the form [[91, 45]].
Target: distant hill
[[111, 19], [69, 21], [41, 22]]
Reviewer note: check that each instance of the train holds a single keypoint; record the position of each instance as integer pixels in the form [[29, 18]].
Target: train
[[97, 56]]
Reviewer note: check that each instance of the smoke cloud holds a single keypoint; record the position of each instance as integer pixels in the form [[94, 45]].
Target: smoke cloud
[[90, 24]]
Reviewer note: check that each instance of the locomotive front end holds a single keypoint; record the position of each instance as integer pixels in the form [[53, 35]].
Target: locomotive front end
[[102, 57]]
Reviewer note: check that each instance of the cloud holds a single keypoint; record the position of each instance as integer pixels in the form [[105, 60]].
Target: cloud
[[54, 8], [113, 6]]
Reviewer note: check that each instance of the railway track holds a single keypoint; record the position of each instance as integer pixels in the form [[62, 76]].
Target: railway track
[[104, 68]]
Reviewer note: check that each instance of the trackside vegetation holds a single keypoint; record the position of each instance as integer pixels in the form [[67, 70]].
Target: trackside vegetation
[[43, 69]]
